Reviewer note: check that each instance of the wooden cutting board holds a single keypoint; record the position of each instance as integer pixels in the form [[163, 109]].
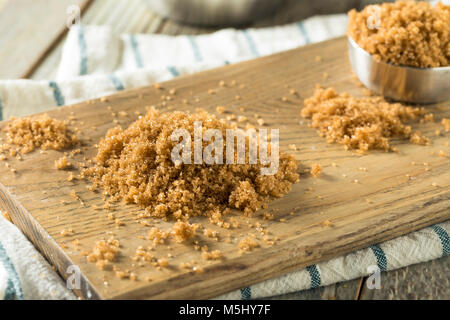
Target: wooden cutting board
[[393, 196]]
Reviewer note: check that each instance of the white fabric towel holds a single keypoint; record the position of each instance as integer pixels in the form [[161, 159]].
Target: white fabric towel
[[96, 62]]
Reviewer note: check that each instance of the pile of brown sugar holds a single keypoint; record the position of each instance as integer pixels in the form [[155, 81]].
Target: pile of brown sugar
[[135, 165], [360, 123], [406, 33], [26, 134]]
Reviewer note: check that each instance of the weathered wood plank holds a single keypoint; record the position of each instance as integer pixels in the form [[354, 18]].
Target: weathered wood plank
[[124, 16], [28, 32]]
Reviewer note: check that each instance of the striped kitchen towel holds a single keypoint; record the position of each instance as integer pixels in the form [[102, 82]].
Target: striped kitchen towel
[[423, 245], [24, 273], [96, 62]]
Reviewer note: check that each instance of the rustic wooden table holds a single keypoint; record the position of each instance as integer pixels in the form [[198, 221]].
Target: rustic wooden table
[[33, 32]]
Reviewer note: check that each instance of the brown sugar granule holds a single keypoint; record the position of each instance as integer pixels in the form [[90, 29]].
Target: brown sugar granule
[[104, 252], [418, 138], [429, 117], [183, 231], [135, 165], [327, 223], [133, 276], [62, 163], [213, 255], [74, 152], [76, 196], [316, 169], [118, 222], [358, 123], [163, 263], [102, 264], [220, 109], [42, 132], [409, 33], [157, 235], [142, 254], [66, 232], [185, 265], [210, 233], [234, 222], [247, 244], [446, 123], [122, 274], [268, 216], [242, 118]]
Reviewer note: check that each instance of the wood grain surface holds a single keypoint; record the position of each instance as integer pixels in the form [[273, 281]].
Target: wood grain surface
[[384, 204], [28, 31]]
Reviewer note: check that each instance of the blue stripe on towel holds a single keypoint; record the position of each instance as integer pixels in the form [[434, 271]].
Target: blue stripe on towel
[[380, 256], [195, 48], [173, 71], [14, 288], [301, 27], [251, 43], [315, 276], [116, 82], [246, 293], [83, 54], [445, 239], [57, 95], [137, 55]]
